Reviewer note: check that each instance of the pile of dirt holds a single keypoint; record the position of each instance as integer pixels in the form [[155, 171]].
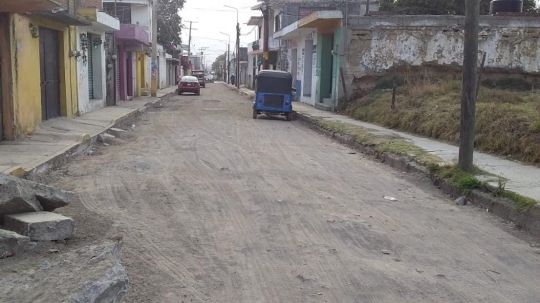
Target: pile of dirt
[[508, 120]]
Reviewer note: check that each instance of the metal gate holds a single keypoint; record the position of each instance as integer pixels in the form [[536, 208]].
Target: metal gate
[[90, 64], [50, 73]]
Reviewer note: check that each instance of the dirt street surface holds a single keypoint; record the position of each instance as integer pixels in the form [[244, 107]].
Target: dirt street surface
[[214, 206]]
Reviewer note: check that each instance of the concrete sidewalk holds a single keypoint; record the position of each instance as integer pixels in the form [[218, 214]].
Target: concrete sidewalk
[[58, 136], [520, 178]]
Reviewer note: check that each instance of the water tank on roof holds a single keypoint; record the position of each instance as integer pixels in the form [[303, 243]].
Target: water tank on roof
[[506, 6]]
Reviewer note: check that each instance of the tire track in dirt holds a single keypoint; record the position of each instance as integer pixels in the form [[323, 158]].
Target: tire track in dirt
[[217, 207]]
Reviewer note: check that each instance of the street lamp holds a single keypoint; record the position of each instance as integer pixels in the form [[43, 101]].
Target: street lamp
[[237, 46], [228, 57]]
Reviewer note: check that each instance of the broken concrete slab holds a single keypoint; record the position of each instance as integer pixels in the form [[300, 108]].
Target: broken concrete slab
[[11, 243], [106, 138], [16, 196], [40, 226], [92, 273], [51, 198], [20, 195]]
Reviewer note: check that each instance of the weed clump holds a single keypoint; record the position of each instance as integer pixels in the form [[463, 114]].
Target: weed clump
[[507, 121]]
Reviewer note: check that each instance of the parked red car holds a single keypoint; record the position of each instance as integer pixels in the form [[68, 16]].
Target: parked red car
[[189, 84]]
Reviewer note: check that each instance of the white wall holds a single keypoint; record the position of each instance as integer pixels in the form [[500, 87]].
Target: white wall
[[142, 15], [85, 104], [299, 43], [162, 61]]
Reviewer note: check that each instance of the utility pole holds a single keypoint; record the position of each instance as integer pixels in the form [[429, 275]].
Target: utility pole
[[154, 84], [470, 79], [228, 64], [237, 47], [266, 55], [189, 39], [237, 53]]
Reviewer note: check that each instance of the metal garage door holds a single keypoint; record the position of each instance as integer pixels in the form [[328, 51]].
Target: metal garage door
[[90, 65]]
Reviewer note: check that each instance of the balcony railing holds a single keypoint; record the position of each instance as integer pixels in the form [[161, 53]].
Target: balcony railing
[[133, 33]]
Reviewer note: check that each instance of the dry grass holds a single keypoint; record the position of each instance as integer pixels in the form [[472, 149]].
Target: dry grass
[[508, 122]]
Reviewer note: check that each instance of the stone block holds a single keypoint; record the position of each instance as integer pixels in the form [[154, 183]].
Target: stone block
[[11, 243], [40, 226]]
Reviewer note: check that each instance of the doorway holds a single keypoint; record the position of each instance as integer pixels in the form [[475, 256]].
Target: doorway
[[50, 73], [327, 66], [308, 67], [129, 75]]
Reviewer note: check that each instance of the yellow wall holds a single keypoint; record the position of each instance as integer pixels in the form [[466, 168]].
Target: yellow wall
[[68, 74], [26, 72], [26, 76], [140, 77]]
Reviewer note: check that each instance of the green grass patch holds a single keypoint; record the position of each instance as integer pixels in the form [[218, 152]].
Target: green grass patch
[[522, 203], [465, 181], [507, 121], [381, 144], [461, 179]]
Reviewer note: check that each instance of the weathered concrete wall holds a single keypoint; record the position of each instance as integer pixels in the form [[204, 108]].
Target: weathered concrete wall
[[378, 43]]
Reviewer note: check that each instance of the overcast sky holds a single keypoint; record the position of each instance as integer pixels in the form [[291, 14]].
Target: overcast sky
[[212, 17]]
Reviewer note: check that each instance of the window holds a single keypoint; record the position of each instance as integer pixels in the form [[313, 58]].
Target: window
[[277, 23], [123, 11]]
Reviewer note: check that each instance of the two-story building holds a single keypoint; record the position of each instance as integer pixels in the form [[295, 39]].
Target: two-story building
[[255, 49], [308, 42], [132, 41], [95, 69]]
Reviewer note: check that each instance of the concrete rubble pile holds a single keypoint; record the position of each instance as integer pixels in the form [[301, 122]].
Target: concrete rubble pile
[[26, 214]]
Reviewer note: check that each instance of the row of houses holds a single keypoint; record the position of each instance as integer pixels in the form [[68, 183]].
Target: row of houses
[[65, 58], [336, 50]]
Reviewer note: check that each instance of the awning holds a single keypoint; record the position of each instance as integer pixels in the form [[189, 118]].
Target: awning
[[292, 31], [28, 6], [66, 18], [322, 20], [100, 20], [254, 20]]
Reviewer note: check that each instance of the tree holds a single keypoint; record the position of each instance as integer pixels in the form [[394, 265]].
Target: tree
[[218, 65], [440, 7], [169, 24]]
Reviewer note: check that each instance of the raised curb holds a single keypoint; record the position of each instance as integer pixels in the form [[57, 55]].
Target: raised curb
[[75, 149], [528, 220]]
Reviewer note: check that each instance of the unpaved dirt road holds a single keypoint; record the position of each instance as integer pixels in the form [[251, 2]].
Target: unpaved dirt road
[[216, 207]]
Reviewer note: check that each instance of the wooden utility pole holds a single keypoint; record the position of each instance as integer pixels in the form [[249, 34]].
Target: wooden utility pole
[[237, 53], [189, 39], [266, 55], [155, 63], [228, 63], [470, 79]]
